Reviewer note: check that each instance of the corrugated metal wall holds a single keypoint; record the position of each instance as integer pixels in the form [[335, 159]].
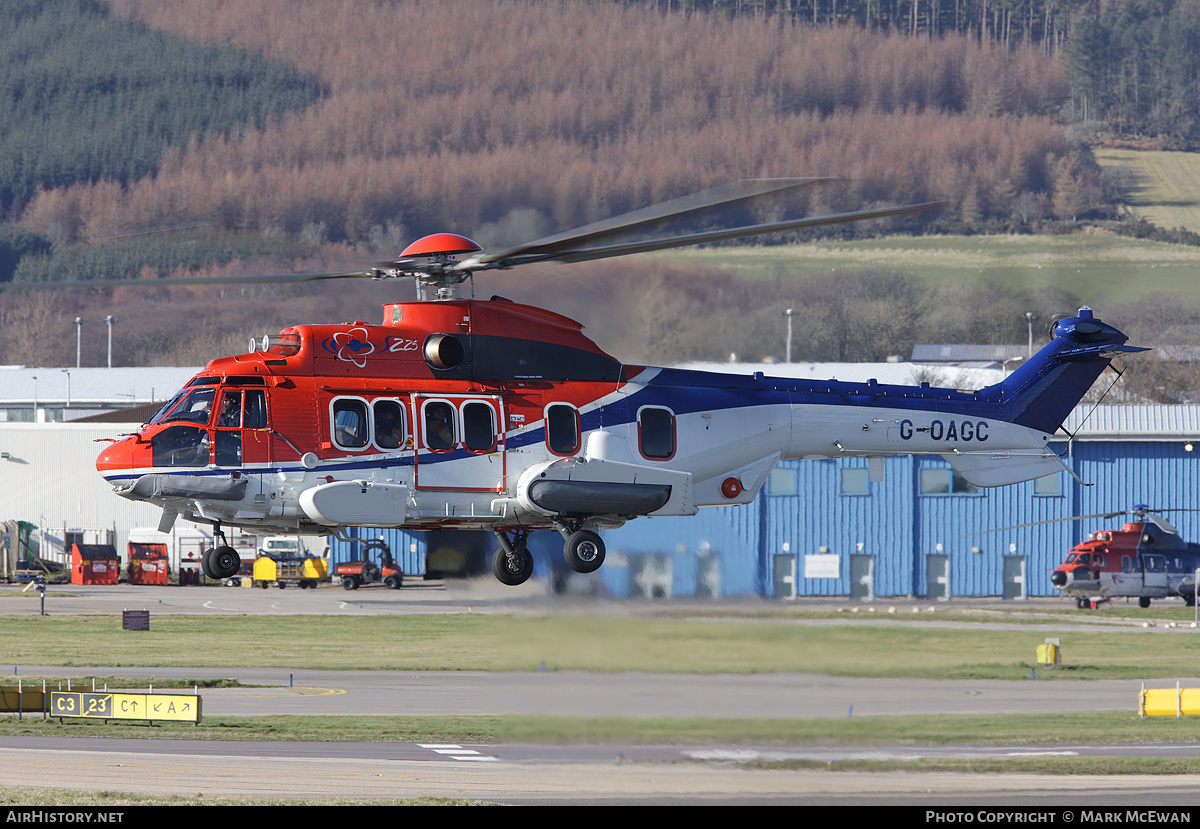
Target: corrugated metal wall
[[966, 541], [890, 538]]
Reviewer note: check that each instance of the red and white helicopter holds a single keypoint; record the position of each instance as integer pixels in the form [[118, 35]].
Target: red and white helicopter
[[1145, 559], [495, 416]]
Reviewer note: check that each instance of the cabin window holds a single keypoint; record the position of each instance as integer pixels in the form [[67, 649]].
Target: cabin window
[[854, 482], [1127, 564], [439, 426], [390, 427], [945, 481], [350, 426], [479, 427], [656, 433], [562, 429]]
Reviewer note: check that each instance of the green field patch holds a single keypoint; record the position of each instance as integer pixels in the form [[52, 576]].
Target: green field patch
[[1159, 186], [1096, 267], [1109, 727], [88, 682], [931, 649]]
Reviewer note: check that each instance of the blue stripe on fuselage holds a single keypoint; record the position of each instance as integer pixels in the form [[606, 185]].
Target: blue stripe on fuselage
[[687, 391]]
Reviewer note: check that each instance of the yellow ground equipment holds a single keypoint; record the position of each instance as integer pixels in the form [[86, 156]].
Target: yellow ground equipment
[[284, 571]]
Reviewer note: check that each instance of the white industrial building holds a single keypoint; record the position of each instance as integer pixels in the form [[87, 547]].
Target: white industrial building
[[48, 474], [52, 395]]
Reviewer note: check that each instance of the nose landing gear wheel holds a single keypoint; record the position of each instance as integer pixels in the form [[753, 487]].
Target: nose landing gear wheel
[[512, 568], [221, 563], [584, 551]]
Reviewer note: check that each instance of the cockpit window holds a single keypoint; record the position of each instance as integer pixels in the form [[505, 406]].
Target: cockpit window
[[193, 405], [180, 446]]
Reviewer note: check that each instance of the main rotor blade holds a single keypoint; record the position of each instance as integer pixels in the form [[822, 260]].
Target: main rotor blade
[[674, 209], [1051, 521], [649, 245], [167, 282], [1163, 524]]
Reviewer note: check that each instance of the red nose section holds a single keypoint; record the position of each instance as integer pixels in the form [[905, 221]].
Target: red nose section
[[119, 455]]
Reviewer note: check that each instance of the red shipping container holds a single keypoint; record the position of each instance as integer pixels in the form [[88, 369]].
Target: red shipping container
[[94, 564]]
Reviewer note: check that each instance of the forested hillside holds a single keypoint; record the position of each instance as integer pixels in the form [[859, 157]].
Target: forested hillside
[[456, 114], [1133, 65], [89, 97], [512, 118]]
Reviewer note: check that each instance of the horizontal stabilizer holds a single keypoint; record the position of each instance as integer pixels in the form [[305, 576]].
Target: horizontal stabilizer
[[1004, 468]]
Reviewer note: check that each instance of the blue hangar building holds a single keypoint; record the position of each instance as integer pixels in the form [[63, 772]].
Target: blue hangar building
[[823, 528]]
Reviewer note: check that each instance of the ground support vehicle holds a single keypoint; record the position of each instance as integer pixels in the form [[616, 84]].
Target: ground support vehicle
[[305, 572], [354, 574]]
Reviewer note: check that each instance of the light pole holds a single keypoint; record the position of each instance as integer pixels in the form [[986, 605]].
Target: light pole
[[67, 372], [78, 338], [1030, 318], [109, 322], [35, 399], [789, 313]]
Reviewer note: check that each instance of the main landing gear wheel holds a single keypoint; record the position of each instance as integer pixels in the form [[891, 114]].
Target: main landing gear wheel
[[1143, 601], [221, 563], [584, 551]]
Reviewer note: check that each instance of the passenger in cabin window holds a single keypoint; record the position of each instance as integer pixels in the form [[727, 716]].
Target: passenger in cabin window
[[389, 425], [439, 429]]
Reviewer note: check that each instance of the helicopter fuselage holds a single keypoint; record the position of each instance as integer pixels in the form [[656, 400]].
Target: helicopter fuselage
[[1140, 561], [492, 415]]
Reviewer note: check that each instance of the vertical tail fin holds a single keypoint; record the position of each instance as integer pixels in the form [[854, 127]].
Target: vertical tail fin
[[1042, 392]]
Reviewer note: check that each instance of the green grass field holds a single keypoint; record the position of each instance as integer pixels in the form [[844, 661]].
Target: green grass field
[[1096, 267], [1099, 269], [1159, 186], [744, 645]]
